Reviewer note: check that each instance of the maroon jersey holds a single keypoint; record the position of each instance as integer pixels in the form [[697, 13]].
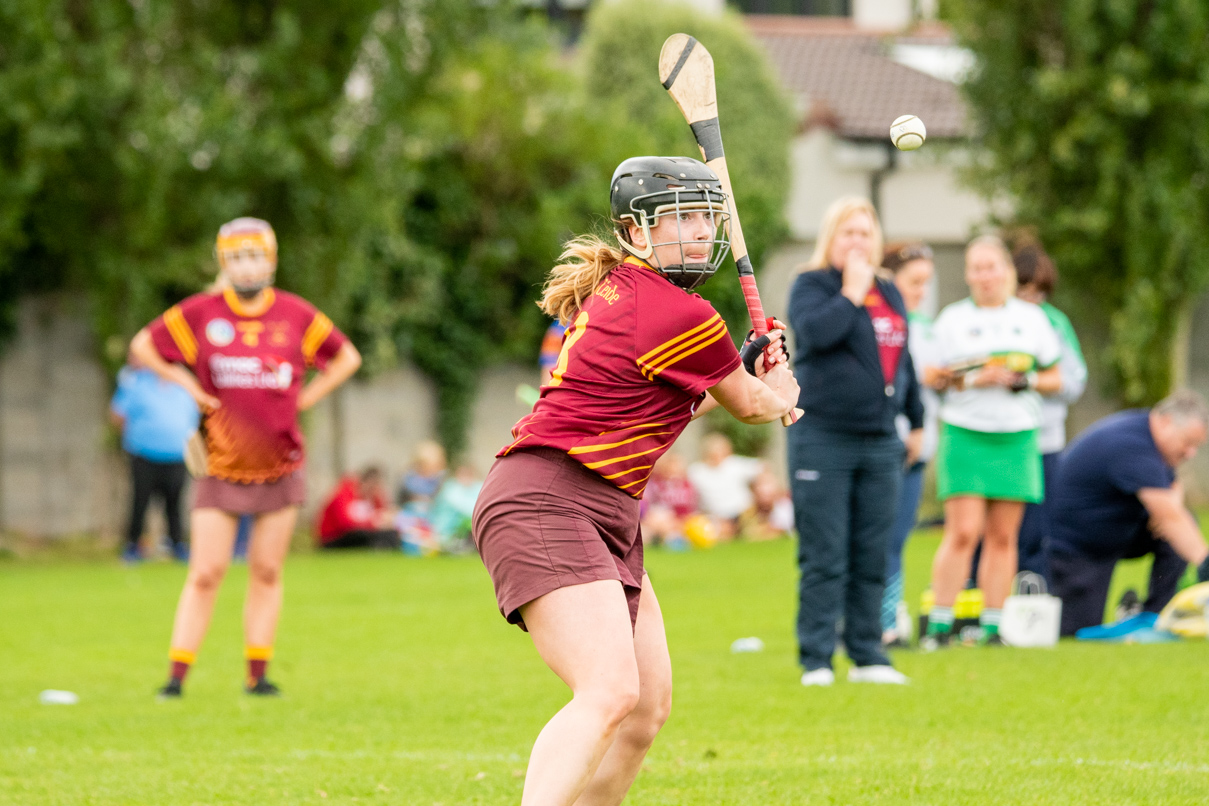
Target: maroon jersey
[[890, 329], [635, 363], [253, 361]]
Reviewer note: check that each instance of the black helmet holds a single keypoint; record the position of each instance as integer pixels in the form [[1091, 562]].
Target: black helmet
[[647, 188]]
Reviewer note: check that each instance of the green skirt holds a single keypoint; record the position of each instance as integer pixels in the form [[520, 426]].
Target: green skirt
[[1005, 467]]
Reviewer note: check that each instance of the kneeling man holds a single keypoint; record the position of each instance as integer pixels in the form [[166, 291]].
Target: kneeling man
[[1116, 497]]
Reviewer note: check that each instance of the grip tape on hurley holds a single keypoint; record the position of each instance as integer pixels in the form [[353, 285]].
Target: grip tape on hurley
[[709, 137]]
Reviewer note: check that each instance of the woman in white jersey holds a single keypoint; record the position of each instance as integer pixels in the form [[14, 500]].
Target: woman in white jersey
[[997, 355], [1036, 276], [910, 264]]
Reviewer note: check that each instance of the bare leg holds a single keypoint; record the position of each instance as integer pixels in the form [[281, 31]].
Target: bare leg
[[213, 539], [267, 548], [636, 734], [965, 518], [999, 551], [583, 634]]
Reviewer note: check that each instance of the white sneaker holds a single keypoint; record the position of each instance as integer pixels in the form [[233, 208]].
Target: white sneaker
[[876, 674], [818, 677]]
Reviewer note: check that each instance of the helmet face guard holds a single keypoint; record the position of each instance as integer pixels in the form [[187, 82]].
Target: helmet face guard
[[673, 203], [647, 190]]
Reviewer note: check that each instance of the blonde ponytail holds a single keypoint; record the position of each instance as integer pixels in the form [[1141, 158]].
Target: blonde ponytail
[[585, 261]]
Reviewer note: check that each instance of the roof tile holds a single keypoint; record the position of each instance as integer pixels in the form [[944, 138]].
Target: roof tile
[[844, 77]]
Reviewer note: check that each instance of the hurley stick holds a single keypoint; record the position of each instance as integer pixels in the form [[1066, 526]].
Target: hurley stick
[[687, 72]]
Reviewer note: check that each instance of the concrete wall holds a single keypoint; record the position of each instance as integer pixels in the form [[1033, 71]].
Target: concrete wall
[[58, 473]]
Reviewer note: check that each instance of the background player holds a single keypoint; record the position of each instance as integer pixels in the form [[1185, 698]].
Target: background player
[[557, 520], [246, 347]]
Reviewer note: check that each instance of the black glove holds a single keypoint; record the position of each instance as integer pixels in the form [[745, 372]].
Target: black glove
[[754, 348], [1202, 571]]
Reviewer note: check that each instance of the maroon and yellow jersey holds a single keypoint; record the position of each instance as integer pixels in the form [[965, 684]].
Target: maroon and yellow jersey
[[635, 363], [253, 361]]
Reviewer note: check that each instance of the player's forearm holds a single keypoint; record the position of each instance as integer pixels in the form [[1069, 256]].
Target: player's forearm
[[144, 350], [707, 405], [339, 369], [1049, 381], [763, 405], [752, 400], [1184, 536]]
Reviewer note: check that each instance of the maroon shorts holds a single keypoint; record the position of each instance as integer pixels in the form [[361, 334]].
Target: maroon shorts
[[543, 521], [250, 499]]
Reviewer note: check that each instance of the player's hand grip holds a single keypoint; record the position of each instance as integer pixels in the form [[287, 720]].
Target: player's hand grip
[[753, 350], [755, 309]]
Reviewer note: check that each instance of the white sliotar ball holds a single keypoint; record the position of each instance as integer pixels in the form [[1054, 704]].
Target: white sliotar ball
[[908, 133]]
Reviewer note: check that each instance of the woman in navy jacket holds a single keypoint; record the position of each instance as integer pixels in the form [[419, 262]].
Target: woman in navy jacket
[[845, 457]]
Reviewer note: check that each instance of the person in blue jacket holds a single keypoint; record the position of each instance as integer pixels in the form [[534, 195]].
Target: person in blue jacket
[[155, 417], [845, 456]]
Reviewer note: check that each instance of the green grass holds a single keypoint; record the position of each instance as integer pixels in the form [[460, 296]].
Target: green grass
[[404, 686]]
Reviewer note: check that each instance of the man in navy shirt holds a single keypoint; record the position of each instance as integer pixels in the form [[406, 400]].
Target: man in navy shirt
[[1116, 497], [156, 418]]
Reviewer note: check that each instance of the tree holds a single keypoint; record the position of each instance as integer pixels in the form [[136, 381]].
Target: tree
[[1093, 117], [418, 160], [422, 162]]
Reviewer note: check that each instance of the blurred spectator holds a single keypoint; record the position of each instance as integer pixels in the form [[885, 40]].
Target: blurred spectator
[[997, 355], [415, 530], [451, 511], [155, 417], [910, 264], [357, 515], [424, 478], [770, 515], [668, 501], [1036, 276], [1115, 496], [845, 457], [723, 482], [552, 345]]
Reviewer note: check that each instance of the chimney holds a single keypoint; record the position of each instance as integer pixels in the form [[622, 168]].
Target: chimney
[[882, 15]]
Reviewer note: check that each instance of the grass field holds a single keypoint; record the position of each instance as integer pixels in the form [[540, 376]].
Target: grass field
[[403, 685]]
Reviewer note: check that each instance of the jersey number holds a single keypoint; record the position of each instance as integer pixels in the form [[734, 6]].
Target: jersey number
[[575, 334]]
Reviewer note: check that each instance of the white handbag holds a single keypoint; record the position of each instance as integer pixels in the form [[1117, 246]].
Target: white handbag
[[1031, 617]]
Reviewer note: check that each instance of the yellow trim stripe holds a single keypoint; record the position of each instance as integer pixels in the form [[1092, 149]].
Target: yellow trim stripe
[[721, 334], [240, 308], [182, 656], [315, 335], [672, 356], [683, 351], [512, 447], [603, 462], [258, 652], [631, 470], [178, 329], [632, 483], [595, 448], [629, 428], [670, 343]]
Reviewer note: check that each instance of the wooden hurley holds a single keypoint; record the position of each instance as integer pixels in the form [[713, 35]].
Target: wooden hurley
[[687, 72]]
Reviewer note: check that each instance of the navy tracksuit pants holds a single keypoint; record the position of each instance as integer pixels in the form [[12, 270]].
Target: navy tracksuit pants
[[845, 492], [1081, 579]]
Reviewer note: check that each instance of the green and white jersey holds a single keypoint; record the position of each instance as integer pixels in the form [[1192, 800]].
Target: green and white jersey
[[1017, 335], [1074, 380], [922, 345]]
